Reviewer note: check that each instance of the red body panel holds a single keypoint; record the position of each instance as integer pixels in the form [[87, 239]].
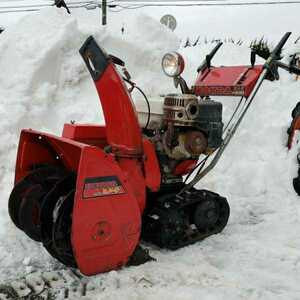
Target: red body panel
[[227, 81], [122, 127], [86, 133], [106, 227], [41, 148], [151, 167], [185, 167], [294, 126]]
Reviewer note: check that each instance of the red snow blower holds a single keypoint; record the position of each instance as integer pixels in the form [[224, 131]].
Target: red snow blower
[[295, 125], [91, 195]]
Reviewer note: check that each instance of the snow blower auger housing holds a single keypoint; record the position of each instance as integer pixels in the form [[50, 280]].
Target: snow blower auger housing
[[92, 194]]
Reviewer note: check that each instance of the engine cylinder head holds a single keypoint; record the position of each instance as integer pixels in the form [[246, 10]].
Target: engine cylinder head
[[181, 109]]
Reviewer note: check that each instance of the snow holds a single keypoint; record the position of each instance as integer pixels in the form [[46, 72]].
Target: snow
[[44, 83]]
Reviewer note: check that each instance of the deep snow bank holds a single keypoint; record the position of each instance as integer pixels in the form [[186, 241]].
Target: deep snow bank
[[44, 84]]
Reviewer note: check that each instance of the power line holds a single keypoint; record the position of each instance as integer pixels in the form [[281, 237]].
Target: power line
[[43, 5], [166, 1], [141, 5], [199, 2], [35, 9], [157, 1]]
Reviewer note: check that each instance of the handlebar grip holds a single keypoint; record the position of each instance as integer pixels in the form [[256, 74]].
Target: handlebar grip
[[294, 70], [276, 52]]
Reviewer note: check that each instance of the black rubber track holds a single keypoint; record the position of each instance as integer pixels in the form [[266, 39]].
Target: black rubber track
[[206, 214], [175, 222]]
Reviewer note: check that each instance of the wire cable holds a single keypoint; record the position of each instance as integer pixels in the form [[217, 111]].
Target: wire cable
[[143, 5], [44, 5], [232, 116], [134, 86], [37, 7], [148, 105], [201, 163]]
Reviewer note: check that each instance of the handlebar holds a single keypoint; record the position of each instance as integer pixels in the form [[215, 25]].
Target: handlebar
[[275, 54], [272, 63]]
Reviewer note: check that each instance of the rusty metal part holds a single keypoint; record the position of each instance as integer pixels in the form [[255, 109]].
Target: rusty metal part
[[195, 142], [188, 145]]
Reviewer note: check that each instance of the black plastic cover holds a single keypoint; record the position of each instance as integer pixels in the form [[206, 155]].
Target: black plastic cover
[[210, 121], [95, 58]]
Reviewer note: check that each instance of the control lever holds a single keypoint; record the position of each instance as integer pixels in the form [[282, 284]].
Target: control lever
[[116, 60], [206, 64], [290, 68]]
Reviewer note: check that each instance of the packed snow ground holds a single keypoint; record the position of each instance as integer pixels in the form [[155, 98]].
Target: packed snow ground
[[44, 83]]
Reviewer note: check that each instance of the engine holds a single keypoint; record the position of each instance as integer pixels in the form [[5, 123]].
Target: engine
[[193, 126], [182, 129]]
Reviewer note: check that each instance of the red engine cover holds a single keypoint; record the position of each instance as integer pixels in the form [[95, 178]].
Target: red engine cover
[[227, 81]]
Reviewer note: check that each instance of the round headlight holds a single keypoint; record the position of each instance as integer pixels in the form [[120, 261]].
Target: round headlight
[[172, 64]]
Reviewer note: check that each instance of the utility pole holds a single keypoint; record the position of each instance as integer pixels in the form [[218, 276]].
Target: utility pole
[[104, 12]]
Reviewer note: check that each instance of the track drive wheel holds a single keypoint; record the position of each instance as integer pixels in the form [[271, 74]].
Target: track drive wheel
[[25, 199], [296, 185], [211, 214], [164, 227]]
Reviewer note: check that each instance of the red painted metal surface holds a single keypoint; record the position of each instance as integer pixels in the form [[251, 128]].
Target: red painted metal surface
[[294, 126], [38, 148], [185, 167], [122, 127], [106, 227], [227, 81], [86, 133], [151, 167], [123, 131]]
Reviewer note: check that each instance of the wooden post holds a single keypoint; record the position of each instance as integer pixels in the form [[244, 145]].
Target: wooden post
[[104, 12]]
